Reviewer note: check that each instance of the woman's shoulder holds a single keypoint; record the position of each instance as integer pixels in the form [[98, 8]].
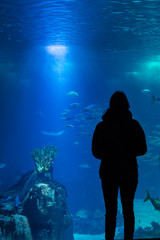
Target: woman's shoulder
[[100, 125], [135, 125]]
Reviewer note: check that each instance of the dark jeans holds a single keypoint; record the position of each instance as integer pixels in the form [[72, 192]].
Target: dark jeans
[[110, 193]]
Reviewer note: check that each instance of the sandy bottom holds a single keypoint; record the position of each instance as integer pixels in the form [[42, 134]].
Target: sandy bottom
[[144, 215]]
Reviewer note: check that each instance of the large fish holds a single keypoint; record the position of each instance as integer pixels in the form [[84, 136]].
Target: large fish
[[73, 94], [2, 165], [155, 201], [53, 133], [145, 90]]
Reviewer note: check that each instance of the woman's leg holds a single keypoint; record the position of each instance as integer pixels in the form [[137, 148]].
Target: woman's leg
[[127, 190], [110, 192]]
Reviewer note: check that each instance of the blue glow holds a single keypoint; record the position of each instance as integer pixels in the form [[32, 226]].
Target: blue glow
[[59, 51]]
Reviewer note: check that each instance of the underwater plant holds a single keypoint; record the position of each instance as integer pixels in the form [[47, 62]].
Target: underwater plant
[[44, 157]]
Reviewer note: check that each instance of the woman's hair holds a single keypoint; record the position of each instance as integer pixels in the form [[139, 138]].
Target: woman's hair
[[119, 101]]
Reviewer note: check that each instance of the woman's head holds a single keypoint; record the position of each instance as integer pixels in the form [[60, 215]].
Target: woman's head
[[119, 101]]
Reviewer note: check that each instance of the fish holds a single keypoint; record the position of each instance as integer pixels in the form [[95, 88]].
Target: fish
[[155, 99], [90, 117], [67, 118], [53, 133], [78, 134], [65, 112], [146, 90], [2, 165], [132, 73], [82, 132], [90, 107], [74, 105], [85, 165], [155, 201], [69, 126], [73, 94]]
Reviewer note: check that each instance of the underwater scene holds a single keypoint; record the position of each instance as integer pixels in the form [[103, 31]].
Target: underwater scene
[[60, 62]]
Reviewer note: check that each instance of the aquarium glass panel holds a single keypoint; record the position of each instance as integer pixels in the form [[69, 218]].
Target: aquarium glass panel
[[60, 62]]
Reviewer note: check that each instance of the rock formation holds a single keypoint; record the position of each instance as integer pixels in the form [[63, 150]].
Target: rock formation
[[36, 207]]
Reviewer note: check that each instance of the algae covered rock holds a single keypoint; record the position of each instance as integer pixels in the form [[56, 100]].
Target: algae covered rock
[[15, 227], [47, 211], [44, 157], [36, 206]]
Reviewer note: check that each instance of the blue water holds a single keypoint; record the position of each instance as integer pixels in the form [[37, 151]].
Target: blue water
[[103, 46]]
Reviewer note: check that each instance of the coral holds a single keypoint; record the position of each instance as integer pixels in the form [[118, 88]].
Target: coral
[[44, 157]]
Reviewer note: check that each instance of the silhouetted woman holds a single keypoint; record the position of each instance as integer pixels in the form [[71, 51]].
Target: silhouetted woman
[[117, 140]]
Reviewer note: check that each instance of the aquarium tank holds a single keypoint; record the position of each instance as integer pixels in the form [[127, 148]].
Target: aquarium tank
[[60, 62]]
